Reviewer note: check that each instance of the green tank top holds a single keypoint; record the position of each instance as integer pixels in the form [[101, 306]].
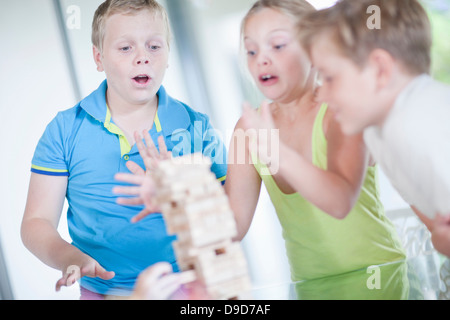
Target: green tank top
[[318, 245]]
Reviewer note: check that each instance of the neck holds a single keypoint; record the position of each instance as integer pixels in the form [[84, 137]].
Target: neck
[[293, 107], [122, 108], [131, 117]]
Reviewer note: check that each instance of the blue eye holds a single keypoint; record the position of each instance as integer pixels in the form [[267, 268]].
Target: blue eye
[[125, 49], [251, 53], [278, 47], [154, 48]]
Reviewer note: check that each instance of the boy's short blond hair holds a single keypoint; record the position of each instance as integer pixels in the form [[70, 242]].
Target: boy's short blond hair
[[404, 31], [127, 7]]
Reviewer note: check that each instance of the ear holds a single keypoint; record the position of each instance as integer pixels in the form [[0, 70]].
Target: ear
[[98, 59], [384, 66]]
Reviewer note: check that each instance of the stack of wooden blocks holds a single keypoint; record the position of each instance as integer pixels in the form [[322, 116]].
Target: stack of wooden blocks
[[196, 209]]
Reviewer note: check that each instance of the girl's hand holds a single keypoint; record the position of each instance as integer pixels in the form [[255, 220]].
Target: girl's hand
[[157, 282], [264, 137]]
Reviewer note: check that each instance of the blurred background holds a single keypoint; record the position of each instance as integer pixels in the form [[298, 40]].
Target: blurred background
[[46, 66]]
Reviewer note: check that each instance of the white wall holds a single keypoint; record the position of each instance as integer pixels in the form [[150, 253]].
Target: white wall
[[34, 85]]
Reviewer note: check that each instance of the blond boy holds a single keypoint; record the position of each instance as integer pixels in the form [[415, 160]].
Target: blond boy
[[84, 147], [374, 60]]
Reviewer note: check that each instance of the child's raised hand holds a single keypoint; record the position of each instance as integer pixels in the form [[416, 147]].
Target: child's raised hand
[[144, 189], [264, 137], [149, 152], [86, 267]]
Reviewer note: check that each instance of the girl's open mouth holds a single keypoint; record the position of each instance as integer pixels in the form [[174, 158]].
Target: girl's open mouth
[[268, 79]]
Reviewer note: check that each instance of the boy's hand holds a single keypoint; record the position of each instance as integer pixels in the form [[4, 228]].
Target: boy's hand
[[440, 234], [88, 267], [148, 151], [145, 189]]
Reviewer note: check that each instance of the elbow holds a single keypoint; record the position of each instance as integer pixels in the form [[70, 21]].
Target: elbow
[[340, 215], [24, 234], [341, 211]]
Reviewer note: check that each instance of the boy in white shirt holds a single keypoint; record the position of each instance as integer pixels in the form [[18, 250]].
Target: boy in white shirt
[[374, 59]]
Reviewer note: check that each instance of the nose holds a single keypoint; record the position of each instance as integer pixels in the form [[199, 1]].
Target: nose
[[142, 60], [263, 59], [141, 57]]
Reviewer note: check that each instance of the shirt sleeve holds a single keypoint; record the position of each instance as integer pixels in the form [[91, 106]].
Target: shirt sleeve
[[214, 148], [49, 156]]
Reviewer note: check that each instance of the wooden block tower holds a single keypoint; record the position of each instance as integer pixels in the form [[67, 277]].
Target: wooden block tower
[[196, 209]]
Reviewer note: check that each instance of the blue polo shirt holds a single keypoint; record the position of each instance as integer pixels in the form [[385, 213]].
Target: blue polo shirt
[[85, 145]]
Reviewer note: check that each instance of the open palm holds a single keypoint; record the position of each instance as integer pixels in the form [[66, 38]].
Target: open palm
[[143, 187]]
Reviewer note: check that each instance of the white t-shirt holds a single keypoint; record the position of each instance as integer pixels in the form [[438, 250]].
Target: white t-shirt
[[413, 146]]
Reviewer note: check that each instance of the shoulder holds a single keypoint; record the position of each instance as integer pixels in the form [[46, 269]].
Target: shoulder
[[423, 114], [178, 114], [194, 115], [63, 120]]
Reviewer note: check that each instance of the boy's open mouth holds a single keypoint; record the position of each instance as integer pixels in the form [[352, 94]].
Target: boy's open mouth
[[142, 79]]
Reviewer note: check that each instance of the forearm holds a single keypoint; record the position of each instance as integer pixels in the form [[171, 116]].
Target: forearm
[[326, 190], [44, 241], [242, 187], [243, 210]]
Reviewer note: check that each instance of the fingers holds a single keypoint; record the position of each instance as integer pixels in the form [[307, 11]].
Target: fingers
[[135, 168], [247, 116], [140, 145], [157, 282], [61, 283], [130, 201], [168, 285], [144, 213], [266, 114], [89, 267], [124, 177], [70, 276], [151, 148], [95, 270], [255, 119], [149, 152], [163, 148], [105, 275]]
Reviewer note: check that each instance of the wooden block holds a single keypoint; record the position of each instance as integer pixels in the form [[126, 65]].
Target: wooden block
[[196, 209], [230, 290]]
